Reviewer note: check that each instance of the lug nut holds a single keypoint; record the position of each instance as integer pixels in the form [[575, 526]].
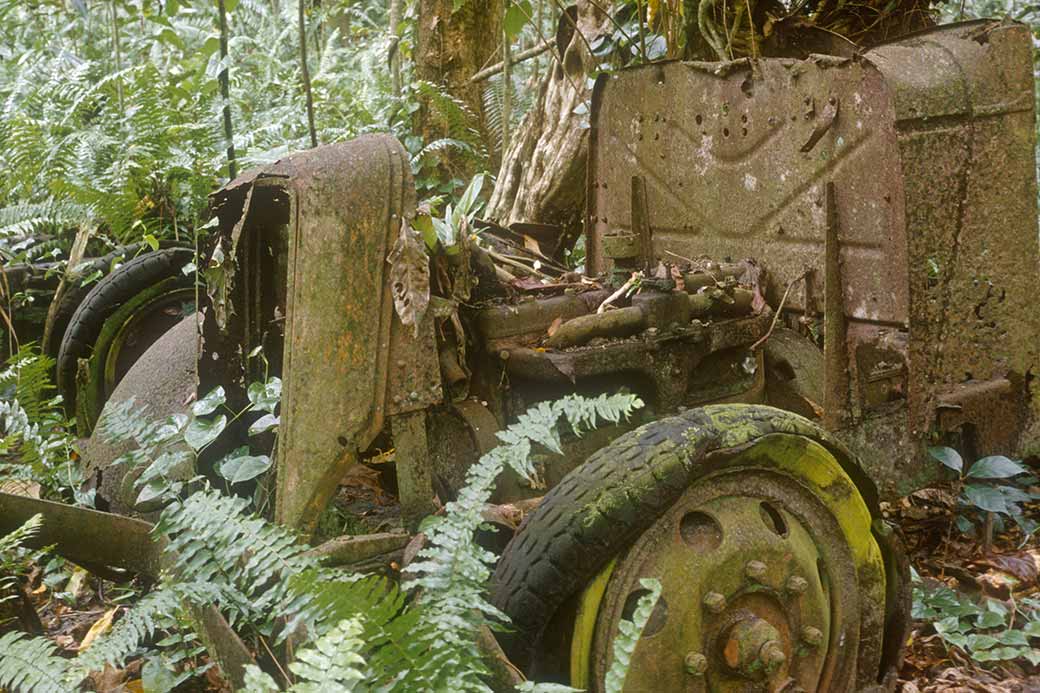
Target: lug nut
[[796, 584], [696, 664], [714, 602], [812, 636], [756, 570], [772, 656]]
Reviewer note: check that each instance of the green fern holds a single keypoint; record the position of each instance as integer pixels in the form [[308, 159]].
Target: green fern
[[33, 428], [629, 634], [333, 664], [29, 665], [14, 540], [453, 569], [28, 379], [126, 636]]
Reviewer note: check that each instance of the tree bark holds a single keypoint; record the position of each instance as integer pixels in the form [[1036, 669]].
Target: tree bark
[[450, 48], [542, 177]]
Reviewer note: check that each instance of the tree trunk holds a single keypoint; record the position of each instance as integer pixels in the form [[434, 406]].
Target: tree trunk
[[542, 177], [450, 48]]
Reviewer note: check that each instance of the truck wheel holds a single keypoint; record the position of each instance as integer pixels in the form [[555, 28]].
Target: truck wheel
[[75, 293], [119, 318], [759, 527]]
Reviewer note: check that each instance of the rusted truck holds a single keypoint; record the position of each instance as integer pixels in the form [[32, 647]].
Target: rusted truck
[[882, 203]]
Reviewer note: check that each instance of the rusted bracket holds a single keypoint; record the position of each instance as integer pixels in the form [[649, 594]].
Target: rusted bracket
[[415, 484], [835, 350], [93, 538], [641, 225], [827, 118]]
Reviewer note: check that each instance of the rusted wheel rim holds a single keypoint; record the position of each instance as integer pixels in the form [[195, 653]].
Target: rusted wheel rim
[[762, 570]]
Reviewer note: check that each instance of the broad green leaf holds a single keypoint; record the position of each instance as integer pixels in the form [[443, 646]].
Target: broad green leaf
[[156, 677], [265, 396], [516, 17], [156, 488], [423, 223], [209, 403], [950, 624], [995, 467], [948, 456], [152, 241], [469, 202], [1014, 638], [1032, 655], [263, 424], [162, 466], [985, 498], [989, 619], [239, 467], [981, 641], [1032, 629], [201, 432]]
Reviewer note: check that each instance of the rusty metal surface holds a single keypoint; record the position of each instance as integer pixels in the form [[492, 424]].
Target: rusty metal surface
[[755, 579], [335, 210], [85, 536], [929, 143], [966, 138], [719, 147], [98, 541]]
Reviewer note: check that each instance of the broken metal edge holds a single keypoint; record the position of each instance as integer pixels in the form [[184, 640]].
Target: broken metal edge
[[91, 537]]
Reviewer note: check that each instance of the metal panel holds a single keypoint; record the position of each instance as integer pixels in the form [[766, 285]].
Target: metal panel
[[336, 210], [967, 141], [736, 157]]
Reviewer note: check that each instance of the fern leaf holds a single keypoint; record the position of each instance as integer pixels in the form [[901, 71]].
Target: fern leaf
[[29, 665], [14, 540], [629, 634]]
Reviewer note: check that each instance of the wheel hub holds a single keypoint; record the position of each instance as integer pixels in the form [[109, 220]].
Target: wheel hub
[[746, 559]]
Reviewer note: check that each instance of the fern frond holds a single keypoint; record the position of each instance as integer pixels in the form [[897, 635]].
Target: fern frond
[[28, 375], [217, 540], [629, 634], [126, 637], [29, 665], [14, 540], [453, 569], [28, 218]]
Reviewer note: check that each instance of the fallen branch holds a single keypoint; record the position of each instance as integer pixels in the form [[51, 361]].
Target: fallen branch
[[493, 70], [780, 308], [636, 276]]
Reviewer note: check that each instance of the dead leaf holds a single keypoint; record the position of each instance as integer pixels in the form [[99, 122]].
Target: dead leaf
[[77, 583], [110, 680], [409, 277], [100, 627], [555, 326]]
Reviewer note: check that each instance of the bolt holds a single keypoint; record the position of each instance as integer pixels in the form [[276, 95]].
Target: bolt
[[796, 584], [755, 570], [504, 355], [812, 636], [714, 602], [772, 656], [696, 664]]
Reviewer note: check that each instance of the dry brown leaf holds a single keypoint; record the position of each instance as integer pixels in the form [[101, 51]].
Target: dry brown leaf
[[100, 627], [554, 326], [409, 277]]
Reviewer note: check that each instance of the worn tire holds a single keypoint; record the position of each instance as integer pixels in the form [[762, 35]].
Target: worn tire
[[601, 507], [104, 299]]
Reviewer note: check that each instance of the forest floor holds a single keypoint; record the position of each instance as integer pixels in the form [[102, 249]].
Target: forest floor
[[943, 556], [71, 606]]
